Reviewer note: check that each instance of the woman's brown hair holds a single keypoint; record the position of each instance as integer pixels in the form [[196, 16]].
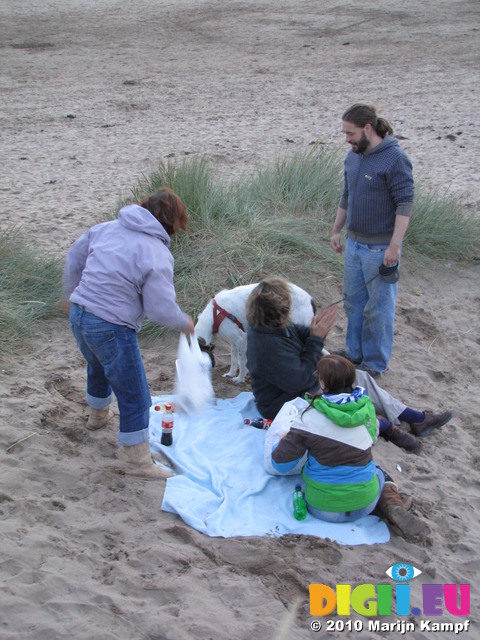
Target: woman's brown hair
[[269, 303], [168, 209]]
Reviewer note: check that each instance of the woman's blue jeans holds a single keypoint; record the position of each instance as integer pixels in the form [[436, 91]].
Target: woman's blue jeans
[[371, 309], [351, 516], [114, 363]]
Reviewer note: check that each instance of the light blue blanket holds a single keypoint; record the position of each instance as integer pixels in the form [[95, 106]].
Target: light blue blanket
[[221, 487]]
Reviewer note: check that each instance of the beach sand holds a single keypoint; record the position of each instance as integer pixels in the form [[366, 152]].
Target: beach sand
[[94, 94]]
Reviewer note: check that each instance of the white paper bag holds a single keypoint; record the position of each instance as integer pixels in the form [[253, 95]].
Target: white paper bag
[[193, 380], [279, 427]]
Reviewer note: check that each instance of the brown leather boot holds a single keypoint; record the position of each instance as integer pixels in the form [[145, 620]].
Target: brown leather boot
[[138, 462], [401, 438], [430, 422], [99, 418], [394, 508]]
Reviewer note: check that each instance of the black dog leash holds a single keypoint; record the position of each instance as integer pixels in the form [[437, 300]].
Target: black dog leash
[[389, 273]]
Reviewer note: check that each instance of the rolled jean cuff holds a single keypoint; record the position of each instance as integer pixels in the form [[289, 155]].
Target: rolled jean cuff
[[98, 403], [130, 438]]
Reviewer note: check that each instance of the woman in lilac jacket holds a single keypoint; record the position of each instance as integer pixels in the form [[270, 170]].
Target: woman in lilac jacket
[[116, 274]]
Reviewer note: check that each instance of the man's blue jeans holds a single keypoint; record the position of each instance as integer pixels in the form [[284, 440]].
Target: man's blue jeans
[[370, 310], [114, 363]]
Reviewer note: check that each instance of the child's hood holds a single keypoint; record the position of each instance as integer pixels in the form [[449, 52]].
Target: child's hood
[[350, 414]]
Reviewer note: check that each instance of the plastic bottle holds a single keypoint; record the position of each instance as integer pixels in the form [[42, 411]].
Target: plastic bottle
[[161, 407], [258, 423], [167, 426], [299, 504]]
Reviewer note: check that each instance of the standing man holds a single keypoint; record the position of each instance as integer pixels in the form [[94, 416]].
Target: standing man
[[375, 206]]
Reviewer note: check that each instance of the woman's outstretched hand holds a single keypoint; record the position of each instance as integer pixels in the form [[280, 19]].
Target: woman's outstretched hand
[[323, 321]]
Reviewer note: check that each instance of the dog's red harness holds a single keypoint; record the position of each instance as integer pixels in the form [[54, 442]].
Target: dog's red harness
[[219, 316]]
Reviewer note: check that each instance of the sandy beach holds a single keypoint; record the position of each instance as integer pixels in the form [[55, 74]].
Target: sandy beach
[[94, 94]]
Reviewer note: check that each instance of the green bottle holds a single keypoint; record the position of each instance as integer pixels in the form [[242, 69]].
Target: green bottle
[[299, 504]]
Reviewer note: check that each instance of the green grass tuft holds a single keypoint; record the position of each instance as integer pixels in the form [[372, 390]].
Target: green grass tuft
[[30, 287], [441, 228], [297, 184], [206, 199]]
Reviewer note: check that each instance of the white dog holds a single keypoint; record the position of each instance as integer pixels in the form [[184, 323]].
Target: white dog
[[226, 315]]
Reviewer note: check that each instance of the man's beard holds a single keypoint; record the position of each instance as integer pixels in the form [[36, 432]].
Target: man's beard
[[362, 145]]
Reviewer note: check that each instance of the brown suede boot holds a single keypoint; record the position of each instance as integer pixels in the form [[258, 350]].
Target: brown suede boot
[[99, 418], [401, 438], [394, 508], [138, 462]]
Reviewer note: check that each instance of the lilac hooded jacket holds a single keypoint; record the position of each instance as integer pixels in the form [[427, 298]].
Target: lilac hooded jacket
[[122, 271]]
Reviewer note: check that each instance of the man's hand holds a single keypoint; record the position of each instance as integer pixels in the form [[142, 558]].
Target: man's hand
[[392, 255], [336, 243], [338, 225], [323, 321]]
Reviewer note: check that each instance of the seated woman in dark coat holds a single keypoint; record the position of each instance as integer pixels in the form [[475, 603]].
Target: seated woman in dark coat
[[282, 361]]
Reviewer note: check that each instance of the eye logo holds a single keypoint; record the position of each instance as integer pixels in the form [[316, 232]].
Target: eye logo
[[376, 600], [402, 572]]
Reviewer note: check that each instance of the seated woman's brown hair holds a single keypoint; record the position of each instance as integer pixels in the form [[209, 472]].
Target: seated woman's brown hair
[[269, 303]]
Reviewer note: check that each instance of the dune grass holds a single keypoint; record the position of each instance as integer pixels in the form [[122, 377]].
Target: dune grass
[[30, 286], [277, 219], [207, 199], [441, 228]]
